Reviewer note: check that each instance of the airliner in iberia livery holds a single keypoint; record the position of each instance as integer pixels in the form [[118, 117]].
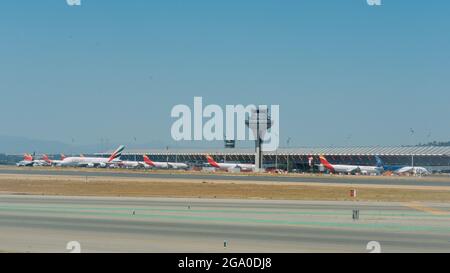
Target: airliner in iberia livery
[[229, 166], [94, 162], [26, 162], [29, 161], [53, 162], [164, 165], [350, 169]]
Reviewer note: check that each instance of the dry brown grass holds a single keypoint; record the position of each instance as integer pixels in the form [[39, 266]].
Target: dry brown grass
[[102, 186]]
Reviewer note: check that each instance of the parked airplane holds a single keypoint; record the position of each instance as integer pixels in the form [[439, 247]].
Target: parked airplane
[[230, 166], [29, 161], [53, 162], [40, 162], [131, 164], [403, 169], [92, 162], [413, 170], [351, 169], [164, 165], [26, 162]]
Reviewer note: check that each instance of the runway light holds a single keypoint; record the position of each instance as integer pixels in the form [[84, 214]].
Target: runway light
[[225, 244], [134, 212]]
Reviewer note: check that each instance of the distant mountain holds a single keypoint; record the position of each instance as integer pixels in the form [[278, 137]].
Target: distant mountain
[[20, 145], [436, 144]]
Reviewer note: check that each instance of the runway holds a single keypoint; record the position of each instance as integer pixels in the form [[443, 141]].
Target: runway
[[47, 224], [404, 181]]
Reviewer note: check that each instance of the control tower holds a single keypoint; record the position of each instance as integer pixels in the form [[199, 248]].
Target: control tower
[[259, 122]]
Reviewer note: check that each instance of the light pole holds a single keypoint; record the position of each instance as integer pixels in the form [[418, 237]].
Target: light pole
[[411, 130], [167, 155], [135, 154], [276, 159], [288, 142]]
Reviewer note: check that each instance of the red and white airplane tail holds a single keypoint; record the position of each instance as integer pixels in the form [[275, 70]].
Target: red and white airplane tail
[[27, 157], [326, 164], [46, 159], [212, 162], [148, 161]]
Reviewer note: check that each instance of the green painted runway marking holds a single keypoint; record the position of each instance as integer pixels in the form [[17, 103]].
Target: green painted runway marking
[[354, 225]]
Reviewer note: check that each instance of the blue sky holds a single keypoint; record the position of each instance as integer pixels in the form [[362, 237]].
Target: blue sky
[[343, 73]]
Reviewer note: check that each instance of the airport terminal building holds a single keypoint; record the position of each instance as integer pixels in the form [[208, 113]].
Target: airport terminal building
[[433, 158], [297, 159]]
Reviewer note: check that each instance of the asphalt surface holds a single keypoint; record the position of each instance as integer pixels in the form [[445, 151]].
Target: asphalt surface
[[412, 181], [48, 224]]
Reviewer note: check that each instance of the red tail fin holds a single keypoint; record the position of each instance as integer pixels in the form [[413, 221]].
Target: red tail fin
[[46, 159], [212, 162], [28, 157], [148, 161], [326, 164]]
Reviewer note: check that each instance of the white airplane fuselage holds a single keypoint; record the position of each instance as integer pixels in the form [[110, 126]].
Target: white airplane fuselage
[[356, 168], [25, 163], [413, 170], [168, 165], [229, 166], [350, 169], [87, 162]]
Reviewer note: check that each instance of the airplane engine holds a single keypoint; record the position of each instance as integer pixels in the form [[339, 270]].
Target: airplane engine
[[90, 165]]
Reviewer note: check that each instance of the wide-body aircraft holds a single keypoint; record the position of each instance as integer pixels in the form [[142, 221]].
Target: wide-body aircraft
[[403, 169], [351, 169], [164, 165], [26, 162], [53, 162], [230, 166], [93, 162], [29, 161]]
